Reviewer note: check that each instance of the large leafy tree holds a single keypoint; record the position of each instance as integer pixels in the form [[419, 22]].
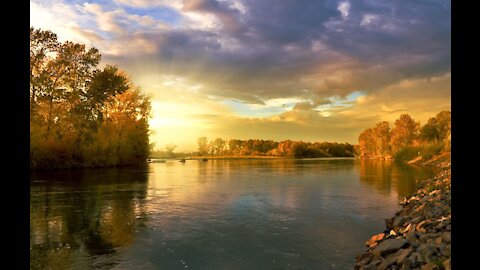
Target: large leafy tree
[[404, 133], [82, 115]]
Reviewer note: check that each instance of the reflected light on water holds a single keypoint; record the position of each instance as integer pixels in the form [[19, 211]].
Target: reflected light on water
[[220, 214]]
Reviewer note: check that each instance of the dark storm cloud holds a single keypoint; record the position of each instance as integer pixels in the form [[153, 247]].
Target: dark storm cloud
[[304, 48]]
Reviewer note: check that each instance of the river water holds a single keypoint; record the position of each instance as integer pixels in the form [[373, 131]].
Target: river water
[[216, 214]]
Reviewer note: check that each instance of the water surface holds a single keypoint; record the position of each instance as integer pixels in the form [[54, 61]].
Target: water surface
[[219, 214]]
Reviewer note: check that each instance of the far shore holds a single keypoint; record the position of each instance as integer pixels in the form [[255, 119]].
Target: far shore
[[247, 157]]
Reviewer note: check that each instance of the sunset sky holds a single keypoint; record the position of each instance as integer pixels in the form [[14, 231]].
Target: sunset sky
[[268, 69]]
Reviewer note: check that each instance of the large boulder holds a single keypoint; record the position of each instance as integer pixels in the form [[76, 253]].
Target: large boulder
[[390, 245]]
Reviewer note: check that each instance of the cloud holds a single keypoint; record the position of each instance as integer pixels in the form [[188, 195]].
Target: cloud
[[150, 3], [344, 8], [228, 15]]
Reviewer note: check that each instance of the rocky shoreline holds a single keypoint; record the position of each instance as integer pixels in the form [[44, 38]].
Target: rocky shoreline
[[419, 235]]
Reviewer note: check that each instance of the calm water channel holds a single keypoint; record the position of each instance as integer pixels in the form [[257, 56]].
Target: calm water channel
[[218, 214]]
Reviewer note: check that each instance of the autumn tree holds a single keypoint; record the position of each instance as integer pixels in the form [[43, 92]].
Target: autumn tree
[[169, 148], [408, 139], [218, 145], [235, 145], [366, 143], [203, 146], [404, 133], [81, 115], [381, 135]]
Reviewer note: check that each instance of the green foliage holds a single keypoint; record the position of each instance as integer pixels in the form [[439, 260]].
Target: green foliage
[[407, 153], [430, 150], [82, 116]]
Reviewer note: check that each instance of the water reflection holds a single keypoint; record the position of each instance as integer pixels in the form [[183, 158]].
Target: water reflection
[[82, 218], [220, 214], [392, 177]]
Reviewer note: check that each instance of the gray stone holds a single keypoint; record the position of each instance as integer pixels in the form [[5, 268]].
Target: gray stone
[[411, 236], [445, 250], [416, 220], [359, 257], [390, 245], [427, 250], [398, 221], [447, 237], [369, 267], [400, 255], [416, 258]]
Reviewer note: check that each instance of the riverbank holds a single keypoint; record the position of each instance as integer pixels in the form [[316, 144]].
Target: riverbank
[[419, 235], [237, 157], [262, 157]]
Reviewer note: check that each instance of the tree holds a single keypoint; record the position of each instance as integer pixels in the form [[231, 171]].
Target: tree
[[235, 145], [444, 120], [43, 44], [381, 135], [404, 133], [203, 147], [366, 143], [169, 149], [218, 146], [81, 115], [430, 132]]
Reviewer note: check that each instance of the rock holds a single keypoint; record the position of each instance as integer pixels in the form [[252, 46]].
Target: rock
[[427, 250], [411, 236], [401, 254], [383, 265], [445, 250], [416, 220], [416, 258], [438, 241], [447, 237], [369, 267], [375, 262], [363, 255], [389, 223], [419, 226], [390, 245], [429, 266], [406, 229], [398, 221], [364, 259], [447, 265], [374, 239]]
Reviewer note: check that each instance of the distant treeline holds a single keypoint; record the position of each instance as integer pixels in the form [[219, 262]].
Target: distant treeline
[[288, 148], [407, 139], [80, 115]]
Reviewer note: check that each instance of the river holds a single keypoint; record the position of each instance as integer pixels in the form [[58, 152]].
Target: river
[[216, 214]]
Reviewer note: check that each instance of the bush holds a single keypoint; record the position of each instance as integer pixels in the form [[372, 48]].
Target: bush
[[407, 153], [428, 151]]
